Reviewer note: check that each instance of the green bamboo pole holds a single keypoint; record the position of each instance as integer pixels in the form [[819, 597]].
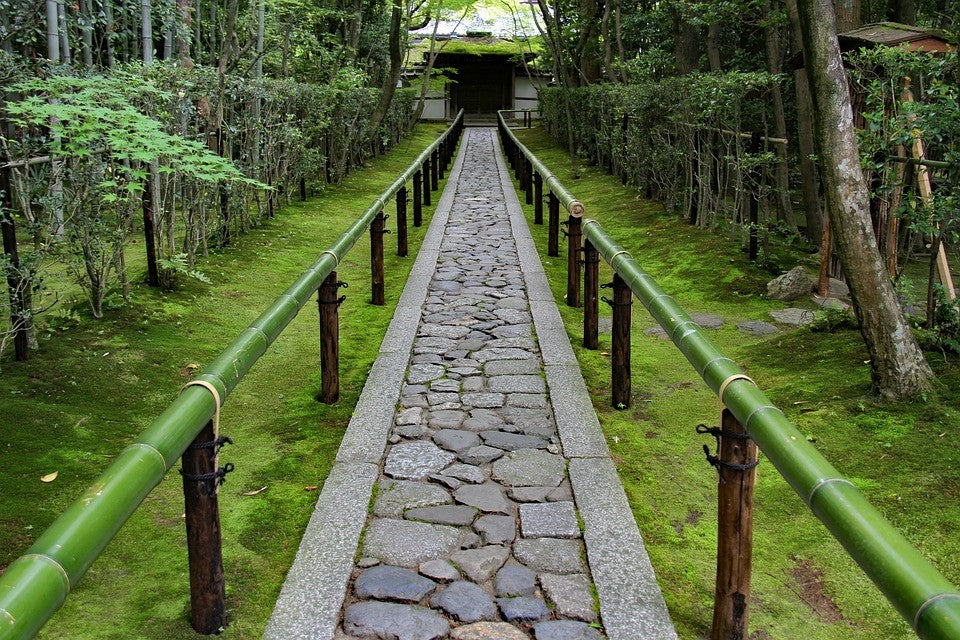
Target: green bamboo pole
[[36, 584], [927, 600]]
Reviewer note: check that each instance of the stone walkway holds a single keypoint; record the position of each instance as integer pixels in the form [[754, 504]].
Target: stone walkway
[[473, 532]]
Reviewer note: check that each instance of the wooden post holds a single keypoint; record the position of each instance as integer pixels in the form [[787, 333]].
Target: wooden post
[[537, 198], [553, 227], [303, 189], [402, 222], [426, 182], [435, 170], [149, 232], [591, 305], [208, 611], [15, 280], [574, 241], [528, 182], [620, 350], [376, 259], [329, 339], [417, 199], [735, 530]]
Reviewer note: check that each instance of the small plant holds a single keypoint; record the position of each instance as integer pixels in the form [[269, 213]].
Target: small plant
[[830, 320], [173, 272]]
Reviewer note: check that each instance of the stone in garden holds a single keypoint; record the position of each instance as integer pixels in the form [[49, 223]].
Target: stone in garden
[[791, 285], [515, 581], [456, 440], [480, 564], [793, 316], [523, 609], [440, 570], [496, 529], [392, 583], [758, 328], [547, 520], [454, 515], [390, 620], [416, 460], [480, 455], [488, 631], [565, 630], [401, 495], [571, 594], [550, 555], [487, 497], [529, 468], [465, 602], [420, 373], [408, 544]]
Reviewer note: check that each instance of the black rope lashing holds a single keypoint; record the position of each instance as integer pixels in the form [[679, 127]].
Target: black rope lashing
[[209, 481]]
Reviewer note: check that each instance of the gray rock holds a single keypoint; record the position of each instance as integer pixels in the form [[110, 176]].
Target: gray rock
[[480, 455], [517, 384], [571, 594], [512, 367], [565, 630], [408, 544], [707, 320], [466, 472], [456, 515], [546, 520], [791, 285], [465, 602], [758, 328], [389, 621], [392, 583], [440, 570], [409, 416], [512, 441], [496, 529], [483, 400], [529, 468], [446, 418], [515, 581], [488, 631], [523, 609], [480, 564], [420, 373], [487, 497], [793, 316], [403, 495], [456, 440], [416, 460], [550, 555]]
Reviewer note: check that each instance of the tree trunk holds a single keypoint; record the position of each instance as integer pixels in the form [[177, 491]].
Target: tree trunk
[[897, 365]]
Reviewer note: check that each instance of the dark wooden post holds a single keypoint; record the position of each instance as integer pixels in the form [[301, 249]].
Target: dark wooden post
[[376, 259], [417, 199], [16, 283], [426, 182], [620, 350], [303, 189], [528, 184], [149, 232], [735, 530], [553, 226], [402, 222], [591, 305], [435, 170], [208, 611], [574, 240], [329, 339], [537, 198]]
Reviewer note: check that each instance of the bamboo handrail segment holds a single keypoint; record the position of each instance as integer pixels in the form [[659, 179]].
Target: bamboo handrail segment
[[35, 585], [926, 600]]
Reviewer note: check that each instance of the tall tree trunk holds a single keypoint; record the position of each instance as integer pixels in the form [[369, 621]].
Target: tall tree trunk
[[897, 365], [808, 169], [771, 40]]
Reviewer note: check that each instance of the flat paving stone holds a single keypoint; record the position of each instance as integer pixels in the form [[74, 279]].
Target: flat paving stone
[[408, 544], [529, 468], [488, 631], [550, 555], [389, 621], [392, 583], [546, 520], [416, 460], [480, 564], [570, 595], [465, 601]]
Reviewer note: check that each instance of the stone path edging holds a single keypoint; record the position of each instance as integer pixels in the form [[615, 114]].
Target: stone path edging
[[312, 595], [631, 603]]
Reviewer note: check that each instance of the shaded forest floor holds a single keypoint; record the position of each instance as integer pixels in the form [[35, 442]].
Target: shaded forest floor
[[94, 385], [904, 457]]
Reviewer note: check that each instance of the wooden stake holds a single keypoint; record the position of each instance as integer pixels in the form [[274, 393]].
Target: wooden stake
[[574, 239], [620, 350], [537, 198], [417, 199], [553, 226], [329, 339], [591, 305], [402, 222], [735, 532], [376, 260], [208, 611]]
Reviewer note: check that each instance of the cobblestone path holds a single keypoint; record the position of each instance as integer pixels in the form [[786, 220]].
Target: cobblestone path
[[474, 533]]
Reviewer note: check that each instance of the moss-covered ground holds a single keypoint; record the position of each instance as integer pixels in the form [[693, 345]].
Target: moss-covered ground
[[904, 457], [94, 385]]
